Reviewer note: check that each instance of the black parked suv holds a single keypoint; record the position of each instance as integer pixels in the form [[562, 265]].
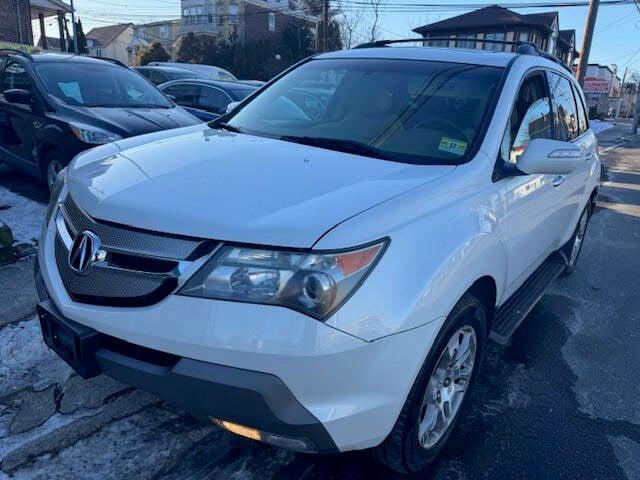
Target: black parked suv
[[53, 106]]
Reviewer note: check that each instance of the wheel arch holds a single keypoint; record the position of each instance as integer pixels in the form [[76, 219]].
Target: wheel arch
[[45, 149], [594, 197], [485, 289]]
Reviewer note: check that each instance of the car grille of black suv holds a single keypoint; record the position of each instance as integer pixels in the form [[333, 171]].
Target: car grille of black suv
[[140, 267]]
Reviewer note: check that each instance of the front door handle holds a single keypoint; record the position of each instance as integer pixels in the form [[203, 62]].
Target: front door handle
[[558, 180]]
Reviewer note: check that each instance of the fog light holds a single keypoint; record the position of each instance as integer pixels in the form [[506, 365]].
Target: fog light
[[297, 444]]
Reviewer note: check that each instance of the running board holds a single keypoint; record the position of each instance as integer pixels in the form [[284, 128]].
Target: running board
[[513, 312]]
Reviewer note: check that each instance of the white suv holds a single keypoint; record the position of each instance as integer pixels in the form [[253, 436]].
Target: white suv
[[321, 268]]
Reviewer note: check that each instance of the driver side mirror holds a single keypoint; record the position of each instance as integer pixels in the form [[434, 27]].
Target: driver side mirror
[[545, 156], [18, 96]]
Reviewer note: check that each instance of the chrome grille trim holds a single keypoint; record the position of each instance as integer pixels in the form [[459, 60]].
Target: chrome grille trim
[[110, 286], [128, 240], [139, 268]]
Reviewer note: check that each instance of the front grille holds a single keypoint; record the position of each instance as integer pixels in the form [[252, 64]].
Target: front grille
[[128, 239], [140, 269]]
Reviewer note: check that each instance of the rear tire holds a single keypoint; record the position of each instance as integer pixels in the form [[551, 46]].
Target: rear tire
[[573, 247], [405, 449]]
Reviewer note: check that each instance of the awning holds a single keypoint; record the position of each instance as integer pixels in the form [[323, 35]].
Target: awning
[[48, 8]]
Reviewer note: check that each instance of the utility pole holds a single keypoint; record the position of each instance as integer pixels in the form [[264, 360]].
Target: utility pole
[[636, 110], [586, 41], [325, 26], [621, 93], [19, 17], [75, 29]]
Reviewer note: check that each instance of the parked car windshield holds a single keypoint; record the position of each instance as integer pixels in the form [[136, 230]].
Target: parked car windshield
[[99, 85], [242, 93], [403, 110]]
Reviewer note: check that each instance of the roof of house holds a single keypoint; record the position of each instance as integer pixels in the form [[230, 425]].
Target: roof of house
[[52, 43], [567, 36], [491, 17], [103, 36]]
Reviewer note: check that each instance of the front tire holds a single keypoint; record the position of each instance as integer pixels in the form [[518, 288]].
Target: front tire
[[53, 163], [440, 393]]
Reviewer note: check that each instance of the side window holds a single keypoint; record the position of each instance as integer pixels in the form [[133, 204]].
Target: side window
[[583, 123], [530, 118], [213, 100], [185, 95], [564, 108], [15, 76]]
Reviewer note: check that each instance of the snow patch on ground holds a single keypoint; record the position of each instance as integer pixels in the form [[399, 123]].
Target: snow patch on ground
[[26, 361], [23, 216], [599, 126], [139, 446]]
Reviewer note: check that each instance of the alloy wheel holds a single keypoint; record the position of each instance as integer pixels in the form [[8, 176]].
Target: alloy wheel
[[447, 386], [577, 241]]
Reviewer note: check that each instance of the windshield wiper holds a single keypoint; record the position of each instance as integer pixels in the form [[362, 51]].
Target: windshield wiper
[[338, 144], [229, 128]]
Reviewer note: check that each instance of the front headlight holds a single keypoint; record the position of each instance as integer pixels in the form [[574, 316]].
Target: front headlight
[[314, 283], [93, 135]]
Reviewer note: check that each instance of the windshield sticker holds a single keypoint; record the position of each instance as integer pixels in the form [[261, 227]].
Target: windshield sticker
[[451, 145], [71, 90]]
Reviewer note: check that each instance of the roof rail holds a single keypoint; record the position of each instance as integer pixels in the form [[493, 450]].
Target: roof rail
[[13, 51], [523, 48], [110, 60]]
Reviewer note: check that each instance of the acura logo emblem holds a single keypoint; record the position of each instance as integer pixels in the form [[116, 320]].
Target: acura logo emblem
[[84, 252]]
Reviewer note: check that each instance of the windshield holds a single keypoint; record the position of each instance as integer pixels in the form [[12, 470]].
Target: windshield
[[99, 85], [403, 110], [184, 75]]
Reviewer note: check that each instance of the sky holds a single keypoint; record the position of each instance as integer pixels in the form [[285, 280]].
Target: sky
[[616, 39]]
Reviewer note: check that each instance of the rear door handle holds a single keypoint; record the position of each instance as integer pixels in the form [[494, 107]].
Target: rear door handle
[[558, 180]]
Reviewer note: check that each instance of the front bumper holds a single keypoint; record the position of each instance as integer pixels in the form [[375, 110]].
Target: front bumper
[[206, 390]]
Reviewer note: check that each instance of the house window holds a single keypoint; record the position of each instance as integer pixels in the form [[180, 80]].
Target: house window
[[233, 14], [221, 19], [465, 44], [494, 46], [438, 43], [164, 32], [272, 22], [98, 53], [523, 36]]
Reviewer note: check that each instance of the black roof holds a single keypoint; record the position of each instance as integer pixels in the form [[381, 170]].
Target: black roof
[[491, 17]]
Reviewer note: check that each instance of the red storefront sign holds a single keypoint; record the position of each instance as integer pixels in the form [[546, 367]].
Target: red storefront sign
[[596, 85]]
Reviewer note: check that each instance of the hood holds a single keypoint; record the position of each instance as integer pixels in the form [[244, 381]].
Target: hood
[[236, 187], [131, 122]]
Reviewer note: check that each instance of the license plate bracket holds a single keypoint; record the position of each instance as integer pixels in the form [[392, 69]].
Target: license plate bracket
[[76, 344]]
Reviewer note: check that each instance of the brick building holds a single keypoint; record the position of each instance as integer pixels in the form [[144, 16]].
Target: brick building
[[250, 19], [15, 21]]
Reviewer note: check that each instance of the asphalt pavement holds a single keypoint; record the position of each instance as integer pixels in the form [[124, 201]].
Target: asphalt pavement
[[561, 401]]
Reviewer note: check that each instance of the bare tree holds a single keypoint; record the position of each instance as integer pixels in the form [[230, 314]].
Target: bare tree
[[376, 9], [350, 22]]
